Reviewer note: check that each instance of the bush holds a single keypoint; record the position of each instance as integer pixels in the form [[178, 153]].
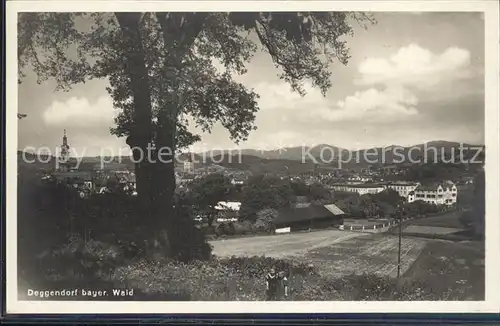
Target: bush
[[226, 279], [243, 228], [187, 241], [225, 228], [78, 262], [259, 266], [265, 218], [50, 214], [244, 279]]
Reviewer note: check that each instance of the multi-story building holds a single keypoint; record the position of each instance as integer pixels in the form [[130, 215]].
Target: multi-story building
[[358, 179], [188, 165], [440, 194], [361, 189], [403, 188]]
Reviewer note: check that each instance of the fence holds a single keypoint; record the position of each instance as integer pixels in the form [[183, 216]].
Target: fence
[[371, 228]]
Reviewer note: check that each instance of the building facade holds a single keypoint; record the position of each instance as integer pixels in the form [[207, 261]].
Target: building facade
[[403, 188], [361, 189], [188, 165], [439, 194]]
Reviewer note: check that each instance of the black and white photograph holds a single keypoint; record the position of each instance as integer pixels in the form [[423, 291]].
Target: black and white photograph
[[175, 154]]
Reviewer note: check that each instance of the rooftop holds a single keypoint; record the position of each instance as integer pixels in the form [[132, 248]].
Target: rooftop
[[362, 185], [299, 214], [230, 205]]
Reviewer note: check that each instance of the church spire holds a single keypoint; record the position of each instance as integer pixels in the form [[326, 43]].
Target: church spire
[[64, 155]]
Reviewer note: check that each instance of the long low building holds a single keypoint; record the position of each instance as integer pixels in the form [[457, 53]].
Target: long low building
[[309, 217], [361, 189]]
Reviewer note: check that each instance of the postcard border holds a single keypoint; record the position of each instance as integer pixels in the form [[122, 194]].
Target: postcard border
[[492, 302]]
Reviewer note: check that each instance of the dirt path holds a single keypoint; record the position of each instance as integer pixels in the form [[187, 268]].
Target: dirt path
[[295, 244]]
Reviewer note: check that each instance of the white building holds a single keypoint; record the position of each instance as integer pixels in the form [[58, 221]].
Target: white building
[[228, 211], [188, 166], [238, 181], [440, 194], [403, 188], [361, 189], [357, 179]]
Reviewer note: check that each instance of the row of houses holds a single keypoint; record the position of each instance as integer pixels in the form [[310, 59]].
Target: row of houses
[[444, 193], [96, 182]]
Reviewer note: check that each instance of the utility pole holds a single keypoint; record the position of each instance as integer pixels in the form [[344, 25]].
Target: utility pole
[[400, 236]]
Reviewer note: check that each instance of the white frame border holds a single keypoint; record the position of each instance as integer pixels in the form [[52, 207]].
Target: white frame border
[[492, 271]]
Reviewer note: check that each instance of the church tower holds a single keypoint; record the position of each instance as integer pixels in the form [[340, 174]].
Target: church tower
[[189, 164], [64, 156]]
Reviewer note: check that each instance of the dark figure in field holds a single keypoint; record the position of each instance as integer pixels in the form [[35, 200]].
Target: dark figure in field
[[276, 285]]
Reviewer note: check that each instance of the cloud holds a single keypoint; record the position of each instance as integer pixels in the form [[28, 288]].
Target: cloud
[[374, 104], [390, 103], [414, 66], [77, 111]]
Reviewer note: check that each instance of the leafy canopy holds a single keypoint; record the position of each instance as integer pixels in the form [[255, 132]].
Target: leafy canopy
[[190, 58]]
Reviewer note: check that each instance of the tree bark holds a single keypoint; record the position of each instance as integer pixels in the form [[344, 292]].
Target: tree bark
[[178, 36], [140, 135]]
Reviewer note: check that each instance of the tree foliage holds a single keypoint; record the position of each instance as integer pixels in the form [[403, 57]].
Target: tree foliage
[[168, 69], [75, 47], [208, 191], [264, 192], [380, 205], [265, 218]]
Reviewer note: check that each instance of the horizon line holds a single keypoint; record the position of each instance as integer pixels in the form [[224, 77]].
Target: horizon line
[[289, 147]]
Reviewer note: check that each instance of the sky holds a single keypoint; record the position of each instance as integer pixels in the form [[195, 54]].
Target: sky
[[412, 78]]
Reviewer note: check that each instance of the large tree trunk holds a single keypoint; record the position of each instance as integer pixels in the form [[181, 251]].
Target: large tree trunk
[[163, 186], [178, 36], [140, 135]]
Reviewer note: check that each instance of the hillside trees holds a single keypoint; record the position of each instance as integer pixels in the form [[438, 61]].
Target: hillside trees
[[264, 192], [160, 68]]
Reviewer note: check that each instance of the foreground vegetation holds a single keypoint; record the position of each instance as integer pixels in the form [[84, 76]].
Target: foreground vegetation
[[95, 243], [437, 275]]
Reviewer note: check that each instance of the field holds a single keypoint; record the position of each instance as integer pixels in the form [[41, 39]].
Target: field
[[423, 229], [334, 253], [454, 270], [280, 245], [446, 227], [372, 253], [448, 220]]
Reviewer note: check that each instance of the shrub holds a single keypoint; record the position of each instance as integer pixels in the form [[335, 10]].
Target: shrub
[[226, 279], [225, 228], [259, 266], [265, 218], [79, 262], [187, 241], [243, 227], [55, 212]]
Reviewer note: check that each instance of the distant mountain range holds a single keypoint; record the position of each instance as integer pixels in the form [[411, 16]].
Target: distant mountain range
[[299, 159], [329, 153]]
